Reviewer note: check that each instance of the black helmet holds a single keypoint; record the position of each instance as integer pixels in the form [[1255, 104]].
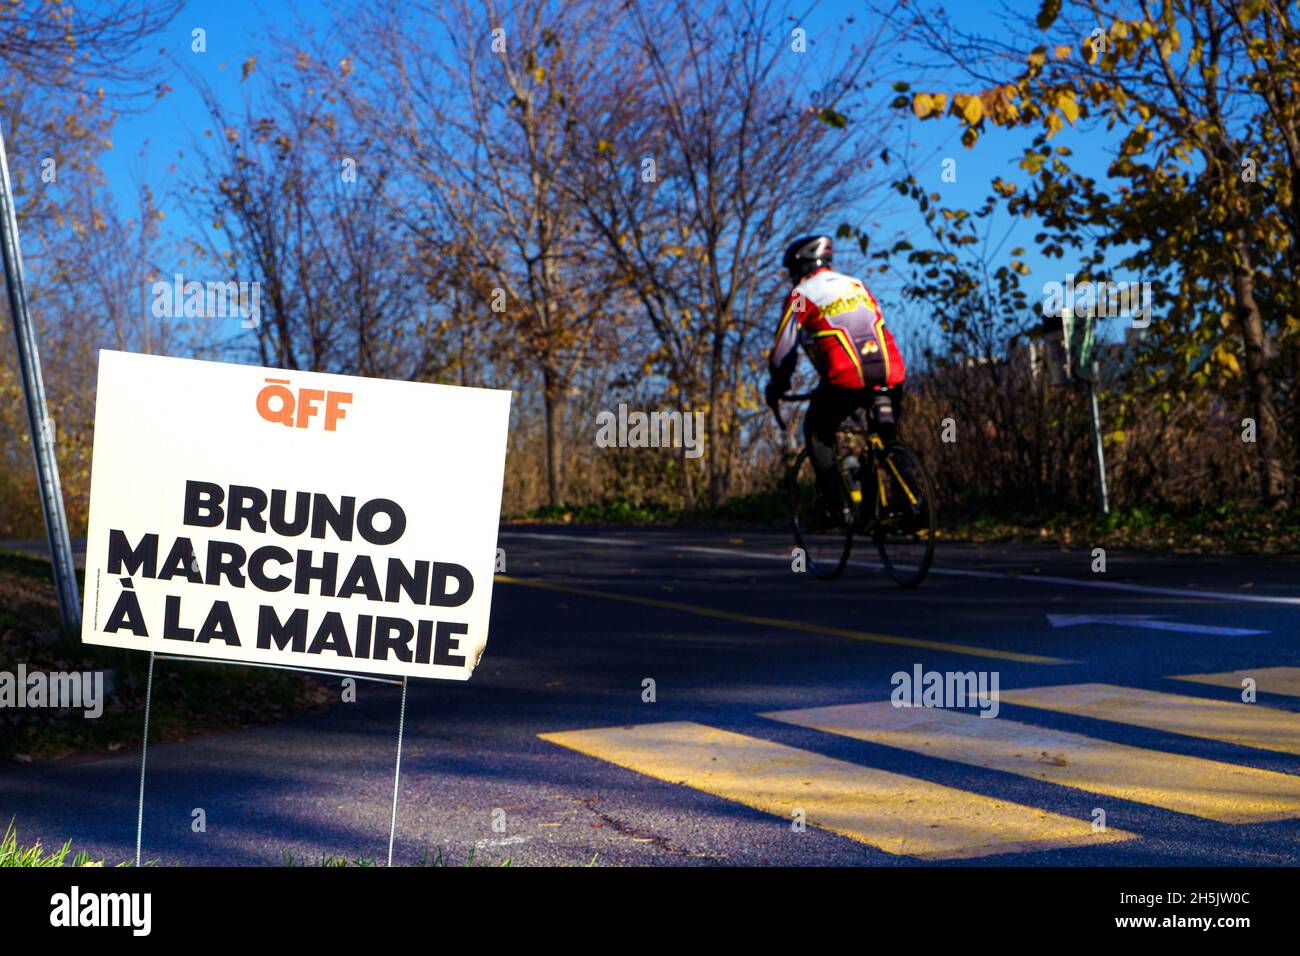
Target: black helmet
[[807, 254]]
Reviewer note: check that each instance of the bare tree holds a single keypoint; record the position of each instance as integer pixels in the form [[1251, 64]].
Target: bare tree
[[279, 198], [62, 46], [721, 134], [486, 137], [57, 122]]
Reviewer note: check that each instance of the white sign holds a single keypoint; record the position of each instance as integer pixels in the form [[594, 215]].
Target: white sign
[[293, 518]]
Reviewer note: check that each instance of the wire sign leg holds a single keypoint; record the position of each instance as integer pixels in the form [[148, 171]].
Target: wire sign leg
[[144, 753], [397, 774]]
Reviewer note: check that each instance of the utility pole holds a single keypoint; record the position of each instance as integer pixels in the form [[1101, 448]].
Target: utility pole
[[38, 416]]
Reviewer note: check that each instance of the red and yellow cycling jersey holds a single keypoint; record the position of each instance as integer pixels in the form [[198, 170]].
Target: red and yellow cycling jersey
[[841, 327]]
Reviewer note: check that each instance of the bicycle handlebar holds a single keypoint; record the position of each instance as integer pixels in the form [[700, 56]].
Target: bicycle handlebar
[[791, 397]]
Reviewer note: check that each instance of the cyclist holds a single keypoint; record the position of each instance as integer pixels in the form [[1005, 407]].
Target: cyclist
[[843, 331]]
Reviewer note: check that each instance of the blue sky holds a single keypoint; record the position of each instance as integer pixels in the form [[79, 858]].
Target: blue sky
[[146, 143], [155, 143]]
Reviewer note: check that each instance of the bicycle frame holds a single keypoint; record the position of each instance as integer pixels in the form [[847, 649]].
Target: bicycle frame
[[870, 455], [858, 436]]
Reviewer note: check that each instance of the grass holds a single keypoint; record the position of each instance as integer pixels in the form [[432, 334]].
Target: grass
[[766, 509], [288, 859], [11, 854], [1225, 529], [430, 858], [436, 857], [189, 698]]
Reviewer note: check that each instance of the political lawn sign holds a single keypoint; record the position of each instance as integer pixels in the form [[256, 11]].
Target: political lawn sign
[[293, 518]]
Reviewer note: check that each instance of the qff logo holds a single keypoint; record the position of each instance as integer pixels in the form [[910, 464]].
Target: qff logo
[[297, 410]]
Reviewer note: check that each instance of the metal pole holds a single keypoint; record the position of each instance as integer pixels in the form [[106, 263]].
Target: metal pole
[[144, 753], [1102, 494], [397, 774], [38, 418]]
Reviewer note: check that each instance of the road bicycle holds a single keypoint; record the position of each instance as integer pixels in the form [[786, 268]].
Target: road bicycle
[[882, 491]]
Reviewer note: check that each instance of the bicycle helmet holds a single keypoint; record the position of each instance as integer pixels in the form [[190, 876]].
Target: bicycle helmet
[[805, 255]]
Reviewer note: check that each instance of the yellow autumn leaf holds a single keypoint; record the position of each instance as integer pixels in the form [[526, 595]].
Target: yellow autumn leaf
[[1063, 52], [1068, 105], [1227, 358], [970, 108], [922, 105]]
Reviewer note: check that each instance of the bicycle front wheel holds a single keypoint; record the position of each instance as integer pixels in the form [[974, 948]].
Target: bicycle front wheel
[[823, 529], [904, 510]]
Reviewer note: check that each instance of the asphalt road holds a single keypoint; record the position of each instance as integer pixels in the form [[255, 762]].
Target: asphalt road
[[762, 744]]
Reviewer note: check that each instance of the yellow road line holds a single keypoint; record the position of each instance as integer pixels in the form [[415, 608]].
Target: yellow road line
[[1269, 680], [1204, 788], [1250, 725], [898, 814], [788, 625]]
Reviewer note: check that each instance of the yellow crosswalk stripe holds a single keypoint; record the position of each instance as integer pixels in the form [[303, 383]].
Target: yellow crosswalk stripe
[[1268, 680], [895, 813], [1249, 725], [1211, 789]]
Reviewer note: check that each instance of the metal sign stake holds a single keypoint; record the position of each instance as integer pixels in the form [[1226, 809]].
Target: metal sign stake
[[144, 754], [38, 416], [148, 700], [397, 774]]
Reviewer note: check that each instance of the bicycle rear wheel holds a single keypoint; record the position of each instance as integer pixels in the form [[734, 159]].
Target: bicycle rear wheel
[[822, 529], [904, 509]]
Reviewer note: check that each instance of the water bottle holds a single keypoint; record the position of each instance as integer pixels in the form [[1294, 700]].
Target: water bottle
[[852, 475]]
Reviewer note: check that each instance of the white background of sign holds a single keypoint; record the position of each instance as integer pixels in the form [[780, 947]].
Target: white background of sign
[[437, 450]]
